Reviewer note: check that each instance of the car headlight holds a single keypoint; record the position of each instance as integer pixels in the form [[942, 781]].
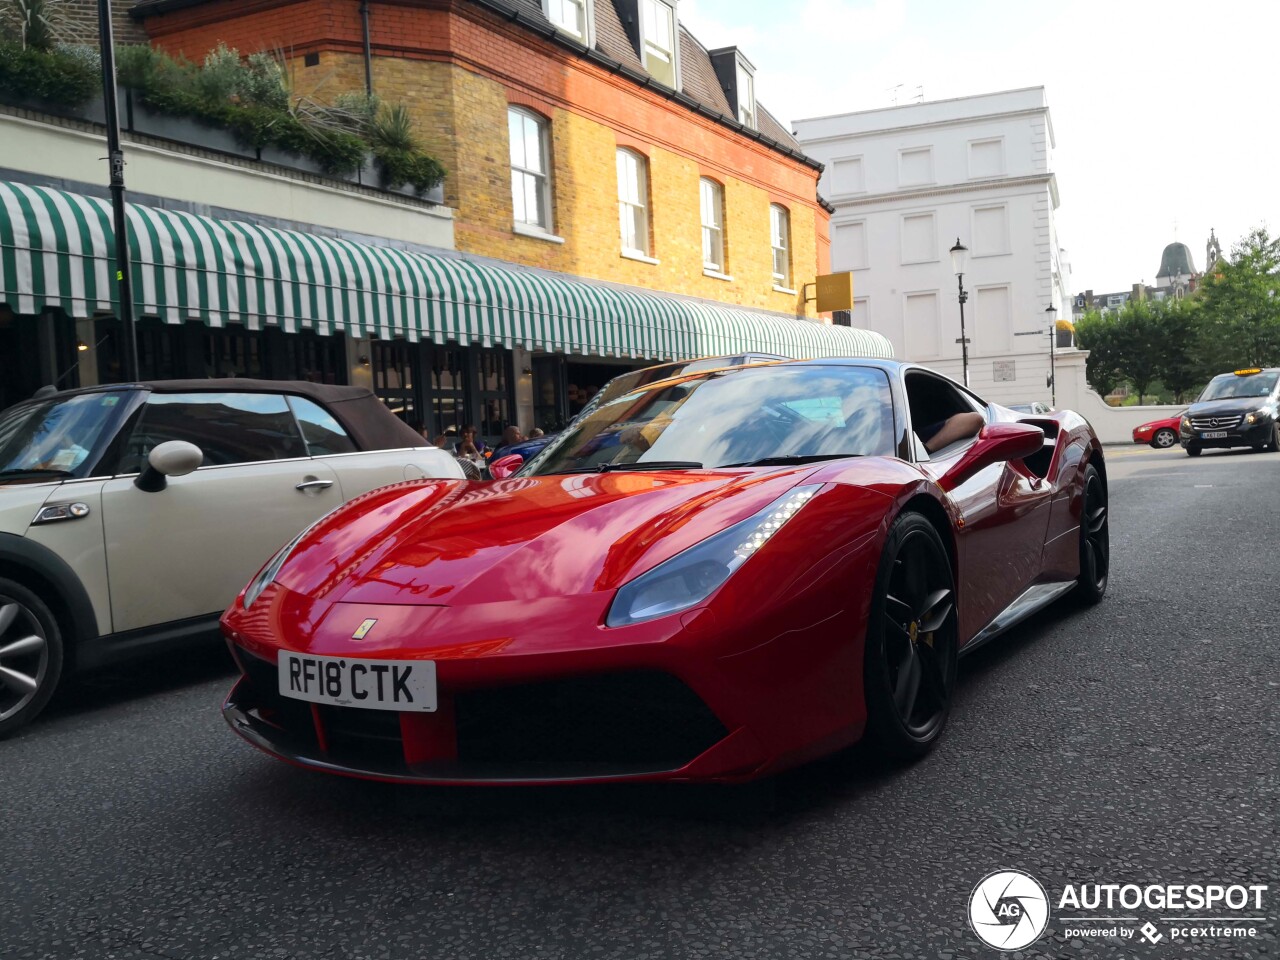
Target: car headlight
[[268, 573], [691, 576], [1185, 422]]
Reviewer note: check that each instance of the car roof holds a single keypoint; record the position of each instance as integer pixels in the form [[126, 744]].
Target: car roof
[[365, 418]]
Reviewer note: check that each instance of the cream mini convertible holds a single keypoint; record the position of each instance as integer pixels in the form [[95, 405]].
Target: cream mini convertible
[[131, 514]]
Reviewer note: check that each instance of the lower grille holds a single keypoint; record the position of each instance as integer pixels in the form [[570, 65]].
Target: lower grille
[[1216, 423], [639, 719]]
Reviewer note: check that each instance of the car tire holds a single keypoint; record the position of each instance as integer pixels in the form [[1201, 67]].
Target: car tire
[[1193, 451], [1274, 445], [31, 656], [909, 658], [1095, 539], [1163, 439]]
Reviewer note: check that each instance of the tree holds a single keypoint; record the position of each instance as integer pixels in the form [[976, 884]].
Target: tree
[[1136, 346], [1179, 347], [1096, 333], [1240, 305]]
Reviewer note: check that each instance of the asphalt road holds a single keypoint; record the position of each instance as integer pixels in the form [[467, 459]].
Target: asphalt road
[[1137, 742]]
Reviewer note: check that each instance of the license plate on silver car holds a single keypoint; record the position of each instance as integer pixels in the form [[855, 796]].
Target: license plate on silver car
[[406, 685], [1216, 435]]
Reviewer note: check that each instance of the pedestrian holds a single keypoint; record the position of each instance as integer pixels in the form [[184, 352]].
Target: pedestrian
[[535, 433], [510, 437]]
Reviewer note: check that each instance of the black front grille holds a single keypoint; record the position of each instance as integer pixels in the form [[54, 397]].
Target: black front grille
[[640, 720], [644, 717]]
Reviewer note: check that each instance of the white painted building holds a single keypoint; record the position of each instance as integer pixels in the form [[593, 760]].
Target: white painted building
[[906, 182]]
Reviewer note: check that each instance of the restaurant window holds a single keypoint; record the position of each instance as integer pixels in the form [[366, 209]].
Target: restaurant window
[[446, 388], [493, 391], [393, 377]]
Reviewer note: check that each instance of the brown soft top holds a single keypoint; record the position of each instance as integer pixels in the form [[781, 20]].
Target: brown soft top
[[370, 424]]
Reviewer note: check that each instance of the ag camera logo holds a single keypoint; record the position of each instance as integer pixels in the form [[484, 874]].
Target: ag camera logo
[[1008, 910]]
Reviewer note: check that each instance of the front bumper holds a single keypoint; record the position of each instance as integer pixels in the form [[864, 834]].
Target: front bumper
[[632, 726], [1256, 435]]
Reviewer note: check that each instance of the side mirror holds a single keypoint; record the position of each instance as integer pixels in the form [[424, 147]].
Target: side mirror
[[997, 443], [504, 467], [173, 458]]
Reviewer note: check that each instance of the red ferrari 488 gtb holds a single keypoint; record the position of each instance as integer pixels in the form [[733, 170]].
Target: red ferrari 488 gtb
[[713, 577]]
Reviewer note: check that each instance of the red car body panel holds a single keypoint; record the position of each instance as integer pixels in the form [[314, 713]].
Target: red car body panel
[[510, 583], [1144, 432]]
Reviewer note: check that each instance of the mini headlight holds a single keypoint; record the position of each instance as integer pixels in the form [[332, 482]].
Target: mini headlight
[[691, 576]]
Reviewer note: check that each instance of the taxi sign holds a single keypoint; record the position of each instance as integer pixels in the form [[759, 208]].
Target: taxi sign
[[1248, 372]]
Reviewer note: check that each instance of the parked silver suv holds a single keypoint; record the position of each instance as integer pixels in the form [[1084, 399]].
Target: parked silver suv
[[131, 515]]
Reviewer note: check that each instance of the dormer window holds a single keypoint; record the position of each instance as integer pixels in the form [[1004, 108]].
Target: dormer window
[[658, 40], [737, 76], [746, 98], [570, 16]]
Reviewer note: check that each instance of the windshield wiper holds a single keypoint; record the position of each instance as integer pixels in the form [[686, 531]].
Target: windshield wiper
[[35, 472], [636, 465], [793, 458]]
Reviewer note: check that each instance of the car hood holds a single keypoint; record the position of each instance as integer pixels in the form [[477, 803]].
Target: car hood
[[529, 538], [1229, 405]]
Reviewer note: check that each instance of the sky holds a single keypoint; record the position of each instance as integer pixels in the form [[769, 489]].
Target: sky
[[1163, 113]]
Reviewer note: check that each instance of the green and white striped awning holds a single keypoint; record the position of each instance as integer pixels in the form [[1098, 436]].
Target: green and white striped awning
[[57, 251]]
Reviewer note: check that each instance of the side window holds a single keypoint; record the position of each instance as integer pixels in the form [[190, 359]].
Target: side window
[[932, 401], [228, 427], [323, 434]]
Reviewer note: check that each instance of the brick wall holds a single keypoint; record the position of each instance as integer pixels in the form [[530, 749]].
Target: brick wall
[[458, 69], [76, 21]]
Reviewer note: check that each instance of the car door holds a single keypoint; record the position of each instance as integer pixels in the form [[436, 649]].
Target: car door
[[185, 551], [1006, 515]]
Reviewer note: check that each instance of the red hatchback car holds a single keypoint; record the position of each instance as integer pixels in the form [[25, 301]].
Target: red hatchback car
[[1161, 434], [711, 578]]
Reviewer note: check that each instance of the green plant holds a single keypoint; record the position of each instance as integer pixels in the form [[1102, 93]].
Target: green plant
[[219, 79], [415, 168], [354, 112], [36, 19], [262, 82], [392, 129], [70, 79]]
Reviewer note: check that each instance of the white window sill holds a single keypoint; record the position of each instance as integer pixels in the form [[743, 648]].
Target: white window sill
[[787, 290], [524, 230], [716, 275], [642, 257]]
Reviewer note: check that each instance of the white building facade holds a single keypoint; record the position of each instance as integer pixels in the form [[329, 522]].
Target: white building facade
[[906, 182]]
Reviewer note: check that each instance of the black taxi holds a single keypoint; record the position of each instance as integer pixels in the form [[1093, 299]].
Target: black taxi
[[1237, 409]]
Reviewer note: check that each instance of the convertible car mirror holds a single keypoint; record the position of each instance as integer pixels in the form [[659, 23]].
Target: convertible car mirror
[[504, 467], [174, 458], [997, 443]]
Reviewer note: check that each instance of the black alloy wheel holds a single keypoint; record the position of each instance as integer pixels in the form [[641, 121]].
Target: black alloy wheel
[[1095, 539], [1164, 438], [1273, 445], [909, 665], [30, 655]]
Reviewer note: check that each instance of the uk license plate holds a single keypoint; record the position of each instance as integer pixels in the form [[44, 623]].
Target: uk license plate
[[1215, 435], [405, 685]]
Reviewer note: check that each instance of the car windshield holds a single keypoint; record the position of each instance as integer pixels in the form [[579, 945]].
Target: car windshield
[[1231, 385], [733, 417], [56, 437]]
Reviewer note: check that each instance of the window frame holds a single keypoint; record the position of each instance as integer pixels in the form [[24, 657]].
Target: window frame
[[714, 230], [746, 104], [542, 179], [780, 281], [646, 43], [641, 203], [587, 35]]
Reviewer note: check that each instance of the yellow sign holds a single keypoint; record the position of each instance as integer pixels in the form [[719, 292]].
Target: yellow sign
[[835, 292]]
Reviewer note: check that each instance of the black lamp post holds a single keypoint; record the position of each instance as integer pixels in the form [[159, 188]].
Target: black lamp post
[[959, 254], [1052, 312], [115, 161]]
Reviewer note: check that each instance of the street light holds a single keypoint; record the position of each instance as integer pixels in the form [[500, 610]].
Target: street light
[[1051, 379], [959, 253]]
